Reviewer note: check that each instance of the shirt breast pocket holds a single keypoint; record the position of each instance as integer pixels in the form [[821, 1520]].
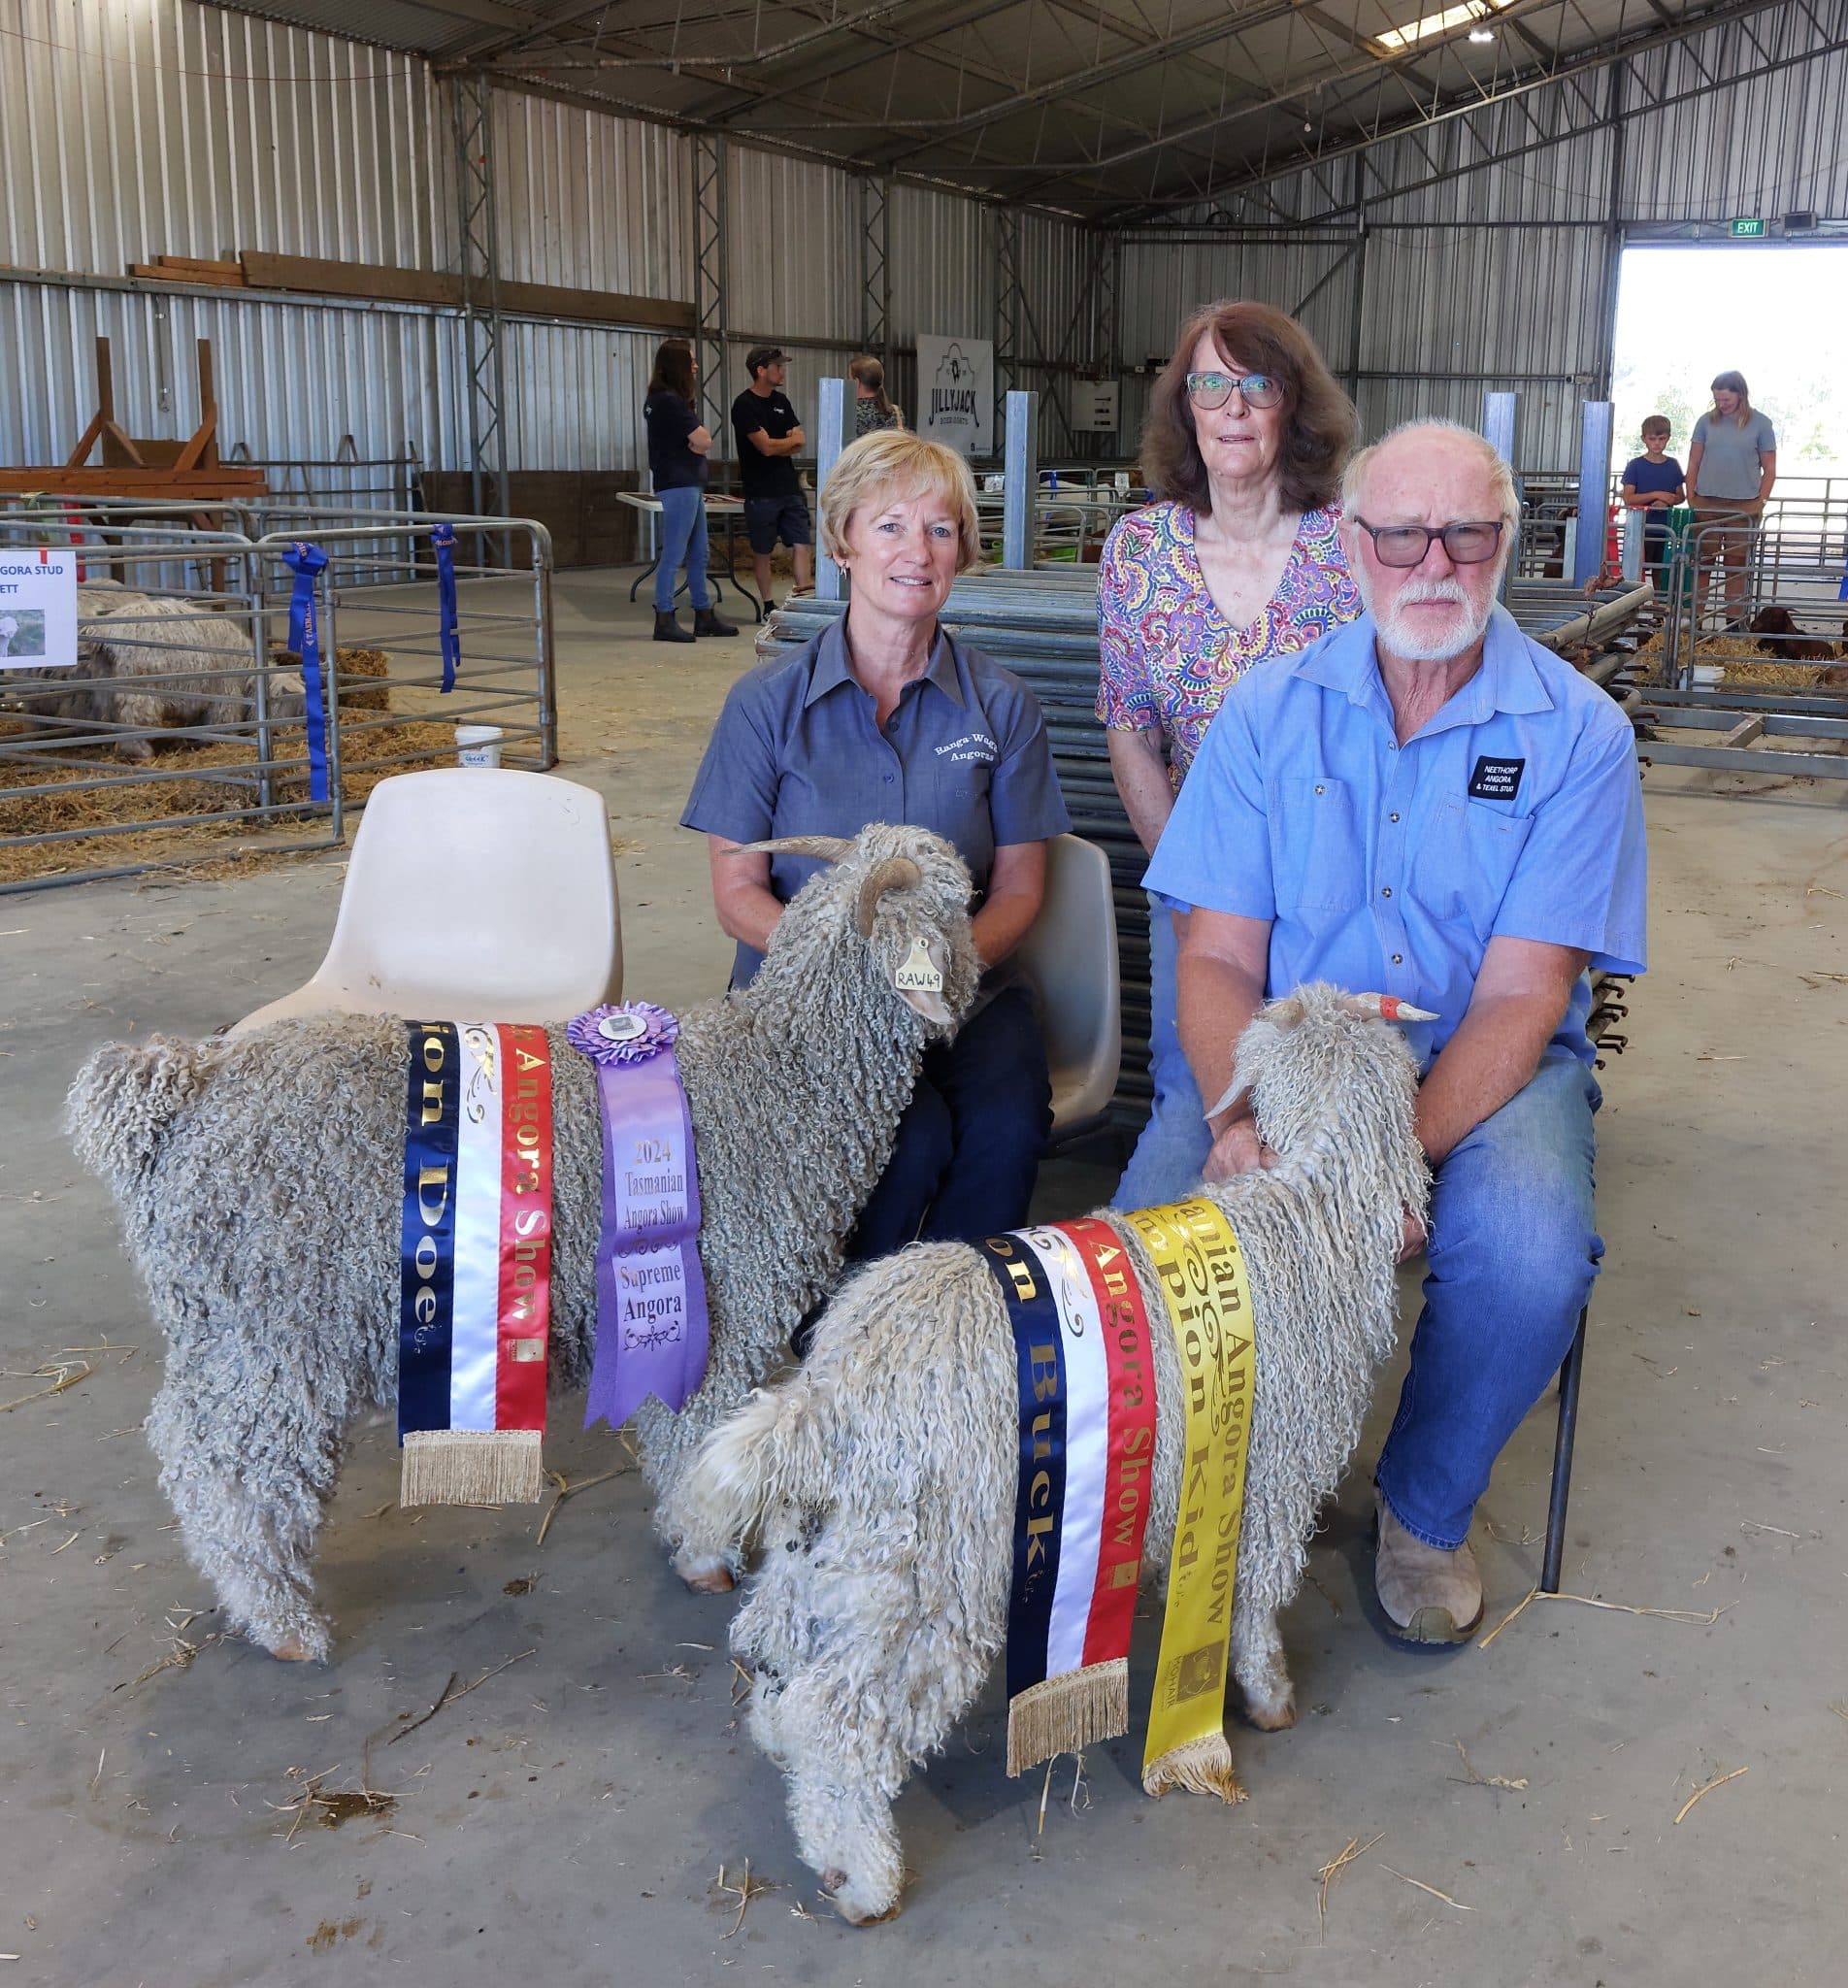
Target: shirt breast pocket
[[1466, 859], [1317, 860]]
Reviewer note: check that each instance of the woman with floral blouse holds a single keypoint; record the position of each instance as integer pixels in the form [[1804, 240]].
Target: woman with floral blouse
[[1241, 560]]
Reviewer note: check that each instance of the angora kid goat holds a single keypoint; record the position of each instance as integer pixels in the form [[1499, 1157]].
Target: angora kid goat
[[882, 1476], [260, 1183]]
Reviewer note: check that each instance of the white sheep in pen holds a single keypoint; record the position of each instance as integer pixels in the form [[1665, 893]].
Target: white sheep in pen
[[882, 1476], [149, 661], [260, 1183]]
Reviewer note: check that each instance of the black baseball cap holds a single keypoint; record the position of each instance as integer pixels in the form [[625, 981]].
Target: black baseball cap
[[760, 356]]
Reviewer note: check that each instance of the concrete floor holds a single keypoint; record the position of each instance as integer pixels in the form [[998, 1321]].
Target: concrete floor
[[567, 1821]]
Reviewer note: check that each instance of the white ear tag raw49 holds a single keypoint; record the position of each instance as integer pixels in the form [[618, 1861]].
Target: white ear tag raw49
[[919, 972]]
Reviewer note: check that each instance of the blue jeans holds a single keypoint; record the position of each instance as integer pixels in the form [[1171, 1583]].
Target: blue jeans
[[682, 542], [1512, 1255], [1174, 1144], [969, 1142]]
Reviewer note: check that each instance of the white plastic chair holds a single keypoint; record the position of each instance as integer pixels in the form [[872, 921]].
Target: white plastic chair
[[472, 893], [1069, 957]]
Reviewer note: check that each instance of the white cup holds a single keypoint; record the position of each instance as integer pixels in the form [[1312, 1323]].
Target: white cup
[[1123, 481], [478, 745]]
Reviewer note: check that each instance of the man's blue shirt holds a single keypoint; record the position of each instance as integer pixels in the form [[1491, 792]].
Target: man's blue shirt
[[797, 750], [1515, 812]]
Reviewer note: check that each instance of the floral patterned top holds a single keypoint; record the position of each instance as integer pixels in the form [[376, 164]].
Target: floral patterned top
[[1168, 653]]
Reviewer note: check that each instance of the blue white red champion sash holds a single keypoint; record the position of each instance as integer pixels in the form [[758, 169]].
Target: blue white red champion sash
[[652, 1336], [1087, 1451], [474, 1275]]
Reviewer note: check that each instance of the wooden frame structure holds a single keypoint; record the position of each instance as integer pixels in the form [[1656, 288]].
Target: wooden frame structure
[[161, 470]]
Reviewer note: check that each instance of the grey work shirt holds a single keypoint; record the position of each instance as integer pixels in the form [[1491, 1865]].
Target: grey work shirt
[[1729, 464], [797, 751]]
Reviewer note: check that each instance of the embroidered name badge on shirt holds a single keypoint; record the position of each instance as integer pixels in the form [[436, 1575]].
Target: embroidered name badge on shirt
[[1496, 779]]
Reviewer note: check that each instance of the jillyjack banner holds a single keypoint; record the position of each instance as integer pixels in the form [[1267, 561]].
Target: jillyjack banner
[[1087, 1450], [475, 1271]]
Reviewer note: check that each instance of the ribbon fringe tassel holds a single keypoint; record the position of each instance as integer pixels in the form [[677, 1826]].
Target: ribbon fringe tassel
[[471, 1467], [1202, 1767], [1068, 1713]]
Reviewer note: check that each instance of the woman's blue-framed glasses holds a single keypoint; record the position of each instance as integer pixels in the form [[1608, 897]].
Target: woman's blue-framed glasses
[[1215, 389]]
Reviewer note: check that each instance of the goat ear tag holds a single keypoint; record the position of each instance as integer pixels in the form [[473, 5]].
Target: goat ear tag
[[919, 972]]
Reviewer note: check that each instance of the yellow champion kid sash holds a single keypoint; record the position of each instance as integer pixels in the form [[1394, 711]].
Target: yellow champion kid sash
[[1208, 1302]]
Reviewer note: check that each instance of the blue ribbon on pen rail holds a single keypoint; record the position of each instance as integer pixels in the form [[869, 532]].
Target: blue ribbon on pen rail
[[443, 542], [307, 562]]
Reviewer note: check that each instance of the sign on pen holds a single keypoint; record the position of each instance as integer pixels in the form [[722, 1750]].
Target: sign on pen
[[38, 606]]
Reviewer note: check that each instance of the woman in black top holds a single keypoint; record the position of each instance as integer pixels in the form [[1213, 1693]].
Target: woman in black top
[[678, 444]]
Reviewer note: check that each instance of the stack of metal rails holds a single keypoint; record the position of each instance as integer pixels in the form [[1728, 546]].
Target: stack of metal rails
[[1043, 626]]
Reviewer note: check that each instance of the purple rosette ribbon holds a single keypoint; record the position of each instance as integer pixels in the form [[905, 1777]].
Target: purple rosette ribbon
[[653, 1334]]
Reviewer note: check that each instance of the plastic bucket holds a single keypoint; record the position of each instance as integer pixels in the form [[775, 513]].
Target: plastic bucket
[[478, 745]]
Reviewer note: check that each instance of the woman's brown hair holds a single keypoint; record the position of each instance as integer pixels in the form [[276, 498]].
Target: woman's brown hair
[[1732, 383], [1318, 418], [871, 375], [674, 369]]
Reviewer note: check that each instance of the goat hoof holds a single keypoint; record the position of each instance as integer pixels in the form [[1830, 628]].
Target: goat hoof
[[711, 1580], [291, 1650], [834, 1887], [1273, 1718]]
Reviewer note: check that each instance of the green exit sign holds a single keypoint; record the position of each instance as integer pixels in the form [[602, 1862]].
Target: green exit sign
[[1752, 226]]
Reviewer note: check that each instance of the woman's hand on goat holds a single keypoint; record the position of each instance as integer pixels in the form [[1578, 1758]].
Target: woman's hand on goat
[[1412, 1238], [1238, 1150]]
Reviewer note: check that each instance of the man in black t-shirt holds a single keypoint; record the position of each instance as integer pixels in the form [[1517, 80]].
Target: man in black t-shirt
[[769, 437]]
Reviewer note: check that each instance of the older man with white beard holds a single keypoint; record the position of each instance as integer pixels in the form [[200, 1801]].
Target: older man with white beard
[[1427, 803]]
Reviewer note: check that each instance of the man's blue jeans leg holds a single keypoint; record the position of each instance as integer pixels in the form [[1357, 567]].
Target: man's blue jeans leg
[[1512, 1254], [1174, 1144]]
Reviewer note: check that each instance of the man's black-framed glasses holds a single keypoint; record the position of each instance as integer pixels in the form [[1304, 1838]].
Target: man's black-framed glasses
[[1212, 391], [1464, 543]]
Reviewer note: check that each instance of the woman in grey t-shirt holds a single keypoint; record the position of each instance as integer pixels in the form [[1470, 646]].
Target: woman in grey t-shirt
[[1731, 466]]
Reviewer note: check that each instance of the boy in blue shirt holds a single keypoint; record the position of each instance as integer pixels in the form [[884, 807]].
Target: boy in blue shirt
[[1654, 485]]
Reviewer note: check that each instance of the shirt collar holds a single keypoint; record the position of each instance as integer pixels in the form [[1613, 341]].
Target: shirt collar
[[1507, 680], [831, 669]]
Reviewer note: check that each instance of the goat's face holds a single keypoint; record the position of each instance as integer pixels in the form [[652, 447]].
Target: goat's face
[[905, 893], [1300, 1056]]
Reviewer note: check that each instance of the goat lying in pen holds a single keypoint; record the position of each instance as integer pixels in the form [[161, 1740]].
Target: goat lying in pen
[[260, 1182], [881, 1478], [146, 661]]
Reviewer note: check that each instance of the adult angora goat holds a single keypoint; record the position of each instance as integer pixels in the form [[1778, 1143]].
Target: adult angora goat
[[881, 1477], [260, 1184]]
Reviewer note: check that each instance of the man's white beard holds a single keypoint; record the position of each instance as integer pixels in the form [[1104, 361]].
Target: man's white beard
[[1399, 634]]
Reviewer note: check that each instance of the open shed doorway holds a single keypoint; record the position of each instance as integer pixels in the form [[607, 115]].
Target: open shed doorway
[[1774, 312]]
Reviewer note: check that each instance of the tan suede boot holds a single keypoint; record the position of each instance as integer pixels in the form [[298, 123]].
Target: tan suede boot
[[1430, 1595]]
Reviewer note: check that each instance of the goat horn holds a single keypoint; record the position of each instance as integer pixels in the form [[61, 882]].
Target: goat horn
[[1386, 1006], [889, 873], [829, 848]]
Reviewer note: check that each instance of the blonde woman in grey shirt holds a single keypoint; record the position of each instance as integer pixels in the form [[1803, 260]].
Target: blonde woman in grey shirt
[[1731, 466]]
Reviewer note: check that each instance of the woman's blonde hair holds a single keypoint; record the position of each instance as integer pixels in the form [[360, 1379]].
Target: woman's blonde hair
[[1732, 382], [894, 463]]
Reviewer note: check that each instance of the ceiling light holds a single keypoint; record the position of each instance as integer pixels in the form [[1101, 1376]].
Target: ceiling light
[[1482, 34], [1394, 41]]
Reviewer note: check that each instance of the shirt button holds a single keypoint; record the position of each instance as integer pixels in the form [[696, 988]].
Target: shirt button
[[1398, 959], [1392, 818], [889, 780], [1385, 889], [1321, 790]]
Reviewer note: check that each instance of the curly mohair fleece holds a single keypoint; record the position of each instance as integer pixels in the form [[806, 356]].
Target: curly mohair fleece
[[882, 1476], [260, 1184]]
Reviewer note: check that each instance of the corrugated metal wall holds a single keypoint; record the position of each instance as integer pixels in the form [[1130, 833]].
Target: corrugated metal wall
[[173, 127]]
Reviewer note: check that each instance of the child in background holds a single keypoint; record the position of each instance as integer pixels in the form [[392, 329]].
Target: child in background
[[1654, 485]]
